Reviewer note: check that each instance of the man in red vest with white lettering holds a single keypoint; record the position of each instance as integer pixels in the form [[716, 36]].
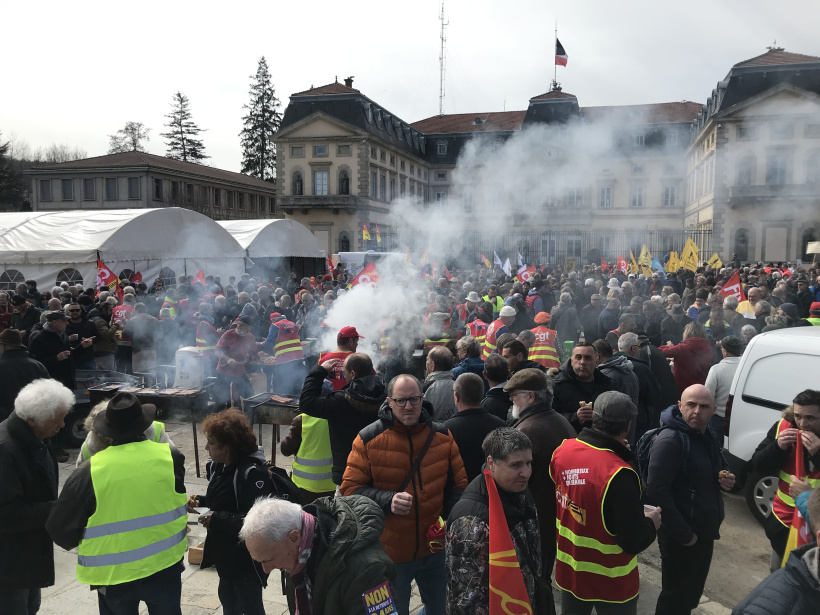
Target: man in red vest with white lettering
[[543, 348], [601, 524], [288, 358], [498, 327], [347, 341]]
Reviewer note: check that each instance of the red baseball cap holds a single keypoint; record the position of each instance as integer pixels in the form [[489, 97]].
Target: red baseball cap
[[275, 315], [814, 307], [349, 332]]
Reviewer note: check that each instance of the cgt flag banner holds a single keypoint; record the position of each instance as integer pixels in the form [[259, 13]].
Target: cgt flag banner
[[732, 288], [365, 233], [799, 533], [199, 278], [366, 277], [525, 273], [605, 266], [622, 265], [507, 589]]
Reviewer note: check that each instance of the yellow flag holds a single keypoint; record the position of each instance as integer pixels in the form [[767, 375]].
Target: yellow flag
[[633, 266], [715, 262], [689, 256], [645, 261], [365, 233], [673, 264]]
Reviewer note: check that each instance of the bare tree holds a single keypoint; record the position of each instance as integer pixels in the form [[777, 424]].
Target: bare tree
[[129, 138]]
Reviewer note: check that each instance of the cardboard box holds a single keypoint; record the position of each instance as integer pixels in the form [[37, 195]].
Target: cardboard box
[[195, 554]]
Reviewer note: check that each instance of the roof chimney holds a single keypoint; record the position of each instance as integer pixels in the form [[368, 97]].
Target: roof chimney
[[349, 82]]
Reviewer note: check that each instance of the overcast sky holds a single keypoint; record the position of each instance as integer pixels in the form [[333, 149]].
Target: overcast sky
[[75, 72]]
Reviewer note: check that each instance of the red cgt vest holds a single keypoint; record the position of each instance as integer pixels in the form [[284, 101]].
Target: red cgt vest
[[478, 329], [288, 346], [543, 349], [783, 504], [336, 375], [589, 563], [489, 341]]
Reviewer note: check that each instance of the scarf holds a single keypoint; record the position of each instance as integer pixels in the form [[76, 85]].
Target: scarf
[[303, 585]]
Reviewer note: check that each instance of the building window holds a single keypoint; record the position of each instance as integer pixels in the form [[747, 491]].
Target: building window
[[217, 197], [157, 189], [605, 197], [392, 189], [813, 168], [230, 194], [383, 188], [320, 151], [168, 277], [441, 148], [320, 183], [636, 196], [189, 193], [639, 140], [343, 150], [175, 192], [548, 247], [10, 278], [133, 187], [392, 161], [296, 186], [72, 276], [374, 185], [808, 236], [67, 189], [746, 171], [271, 205], [412, 189], [746, 132], [45, 189], [344, 182], [574, 244], [373, 153], [297, 151], [782, 130], [344, 242], [669, 196], [575, 197], [637, 169], [382, 156], [498, 142], [240, 200], [413, 169], [402, 186], [401, 165], [742, 244], [111, 189], [777, 169], [89, 190], [441, 197], [441, 176]]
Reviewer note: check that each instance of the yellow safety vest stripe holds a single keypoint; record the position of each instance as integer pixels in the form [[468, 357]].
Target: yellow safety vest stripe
[[586, 542], [612, 573]]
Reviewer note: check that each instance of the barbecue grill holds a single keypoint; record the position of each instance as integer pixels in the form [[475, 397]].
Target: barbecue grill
[[270, 409]]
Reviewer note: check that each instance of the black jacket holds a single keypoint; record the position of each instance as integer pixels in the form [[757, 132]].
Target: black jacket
[[659, 365], [84, 328], [649, 397], [469, 428], [622, 508], [652, 328], [672, 331], [45, 348], [589, 322], [17, 369], [792, 590], [28, 488], [77, 501], [568, 392], [687, 490], [232, 490], [347, 411], [497, 403], [528, 364]]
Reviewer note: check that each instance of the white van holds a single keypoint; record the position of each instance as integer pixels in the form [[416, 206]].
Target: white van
[[775, 367]]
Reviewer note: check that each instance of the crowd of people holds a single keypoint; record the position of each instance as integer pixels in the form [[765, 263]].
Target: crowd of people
[[586, 406]]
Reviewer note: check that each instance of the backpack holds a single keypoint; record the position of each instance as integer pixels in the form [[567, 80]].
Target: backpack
[[283, 487], [643, 451]]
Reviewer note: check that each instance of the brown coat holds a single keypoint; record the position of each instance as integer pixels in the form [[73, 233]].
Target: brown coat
[[380, 461]]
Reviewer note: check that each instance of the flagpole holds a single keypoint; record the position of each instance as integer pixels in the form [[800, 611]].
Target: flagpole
[[555, 49]]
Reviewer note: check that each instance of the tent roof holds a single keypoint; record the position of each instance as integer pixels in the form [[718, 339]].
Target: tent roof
[[274, 238], [118, 234]]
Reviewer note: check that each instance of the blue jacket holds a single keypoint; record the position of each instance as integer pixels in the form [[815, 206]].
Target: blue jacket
[[471, 365]]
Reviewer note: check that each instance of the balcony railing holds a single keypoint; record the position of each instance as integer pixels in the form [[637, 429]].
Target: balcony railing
[[317, 202], [779, 191]]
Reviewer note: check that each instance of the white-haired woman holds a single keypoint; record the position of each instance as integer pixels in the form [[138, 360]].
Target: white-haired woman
[[96, 442], [28, 487]]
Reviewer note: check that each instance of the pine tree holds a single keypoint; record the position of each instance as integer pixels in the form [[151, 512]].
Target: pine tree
[[182, 131], [260, 123], [11, 181], [129, 138]]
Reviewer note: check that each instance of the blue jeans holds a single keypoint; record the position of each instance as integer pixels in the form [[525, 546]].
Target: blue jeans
[[162, 592], [241, 595], [19, 601], [430, 574]]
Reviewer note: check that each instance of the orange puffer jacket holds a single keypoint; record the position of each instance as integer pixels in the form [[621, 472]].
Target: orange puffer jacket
[[382, 456]]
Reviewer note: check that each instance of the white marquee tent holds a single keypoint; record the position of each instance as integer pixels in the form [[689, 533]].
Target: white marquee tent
[[53, 246], [274, 238]]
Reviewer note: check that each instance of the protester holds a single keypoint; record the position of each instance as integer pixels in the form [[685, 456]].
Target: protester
[[17, 369], [649, 400], [601, 523], [438, 383], [346, 411], [237, 477], [496, 373], [330, 549], [471, 423], [693, 356], [577, 384], [347, 341], [28, 489], [413, 488], [508, 455], [25, 315], [775, 457], [505, 320], [719, 380], [105, 342], [564, 320], [288, 357], [235, 350], [469, 358], [686, 476]]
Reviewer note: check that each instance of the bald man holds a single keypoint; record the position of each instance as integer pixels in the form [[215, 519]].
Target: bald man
[[686, 476]]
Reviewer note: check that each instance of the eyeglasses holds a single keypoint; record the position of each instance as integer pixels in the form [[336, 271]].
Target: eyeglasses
[[402, 401]]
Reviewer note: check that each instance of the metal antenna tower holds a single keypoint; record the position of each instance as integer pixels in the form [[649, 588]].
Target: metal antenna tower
[[441, 61]]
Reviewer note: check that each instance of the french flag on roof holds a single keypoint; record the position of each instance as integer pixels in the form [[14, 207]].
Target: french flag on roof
[[561, 56]]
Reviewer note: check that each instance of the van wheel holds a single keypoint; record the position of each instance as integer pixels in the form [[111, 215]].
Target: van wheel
[[760, 491]]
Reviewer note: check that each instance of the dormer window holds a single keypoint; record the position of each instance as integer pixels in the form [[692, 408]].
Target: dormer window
[[441, 147], [478, 121]]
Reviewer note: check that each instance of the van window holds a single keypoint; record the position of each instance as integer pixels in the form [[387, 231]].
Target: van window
[[793, 371]]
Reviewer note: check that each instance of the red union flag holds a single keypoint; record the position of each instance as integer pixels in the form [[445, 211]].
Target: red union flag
[[605, 266], [525, 273], [508, 594], [622, 265], [366, 277], [106, 277], [799, 533], [732, 288]]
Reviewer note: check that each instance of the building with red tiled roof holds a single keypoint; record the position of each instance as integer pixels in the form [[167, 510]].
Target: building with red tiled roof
[[142, 180]]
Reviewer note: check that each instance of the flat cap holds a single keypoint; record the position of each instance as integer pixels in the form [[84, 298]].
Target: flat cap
[[529, 379]]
